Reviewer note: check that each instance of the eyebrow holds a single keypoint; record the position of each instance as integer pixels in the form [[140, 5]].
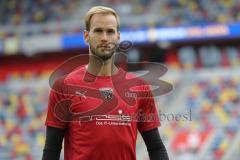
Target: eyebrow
[[97, 29], [108, 29]]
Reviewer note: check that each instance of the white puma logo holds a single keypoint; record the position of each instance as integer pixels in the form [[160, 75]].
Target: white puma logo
[[81, 93]]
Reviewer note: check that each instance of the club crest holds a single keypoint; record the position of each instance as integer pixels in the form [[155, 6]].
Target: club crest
[[106, 93]]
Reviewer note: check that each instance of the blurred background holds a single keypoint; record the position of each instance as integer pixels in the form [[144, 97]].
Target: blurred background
[[199, 42]]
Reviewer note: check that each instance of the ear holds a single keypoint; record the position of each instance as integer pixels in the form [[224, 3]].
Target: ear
[[86, 36]]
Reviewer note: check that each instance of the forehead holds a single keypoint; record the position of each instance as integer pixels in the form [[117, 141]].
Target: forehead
[[103, 21]]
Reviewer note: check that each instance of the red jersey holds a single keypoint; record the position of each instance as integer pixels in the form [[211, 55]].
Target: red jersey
[[101, 123]]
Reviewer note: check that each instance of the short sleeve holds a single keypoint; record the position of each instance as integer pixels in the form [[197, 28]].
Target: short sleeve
[[149, 118], [56, 108]]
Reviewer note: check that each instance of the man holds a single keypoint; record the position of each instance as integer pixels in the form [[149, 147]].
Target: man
[[99, 122]]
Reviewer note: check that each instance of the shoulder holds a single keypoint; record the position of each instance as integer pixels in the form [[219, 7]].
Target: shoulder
[[137, 79], [60, 84], [75, 76]]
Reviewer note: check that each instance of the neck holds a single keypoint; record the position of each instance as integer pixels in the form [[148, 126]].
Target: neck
[[101, 68]]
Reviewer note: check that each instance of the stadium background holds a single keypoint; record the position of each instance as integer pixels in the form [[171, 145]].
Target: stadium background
[[197, 40]]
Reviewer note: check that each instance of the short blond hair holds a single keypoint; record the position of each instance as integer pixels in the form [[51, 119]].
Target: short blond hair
[[100, 10]]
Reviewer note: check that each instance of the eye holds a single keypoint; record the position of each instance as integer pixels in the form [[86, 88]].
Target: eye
[[98, 30], [110, 31]]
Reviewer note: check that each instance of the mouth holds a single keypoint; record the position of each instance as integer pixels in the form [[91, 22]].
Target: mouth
[[104, 46], [107, 46]]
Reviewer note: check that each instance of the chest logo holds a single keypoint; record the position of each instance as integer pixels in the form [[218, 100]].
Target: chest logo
[[106, 93]]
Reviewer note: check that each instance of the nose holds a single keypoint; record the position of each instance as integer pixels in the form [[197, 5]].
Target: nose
[[104, 37]]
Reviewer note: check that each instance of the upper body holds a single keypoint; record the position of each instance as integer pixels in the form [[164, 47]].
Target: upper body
[[109, 134], [90, 107]]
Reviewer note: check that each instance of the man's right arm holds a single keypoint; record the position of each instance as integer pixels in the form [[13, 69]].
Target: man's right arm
[[53, 143]]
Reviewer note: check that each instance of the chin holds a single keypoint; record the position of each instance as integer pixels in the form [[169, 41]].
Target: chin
[[105, 56]]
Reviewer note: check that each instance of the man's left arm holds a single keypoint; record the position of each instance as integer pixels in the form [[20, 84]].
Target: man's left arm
[[154, 144]]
